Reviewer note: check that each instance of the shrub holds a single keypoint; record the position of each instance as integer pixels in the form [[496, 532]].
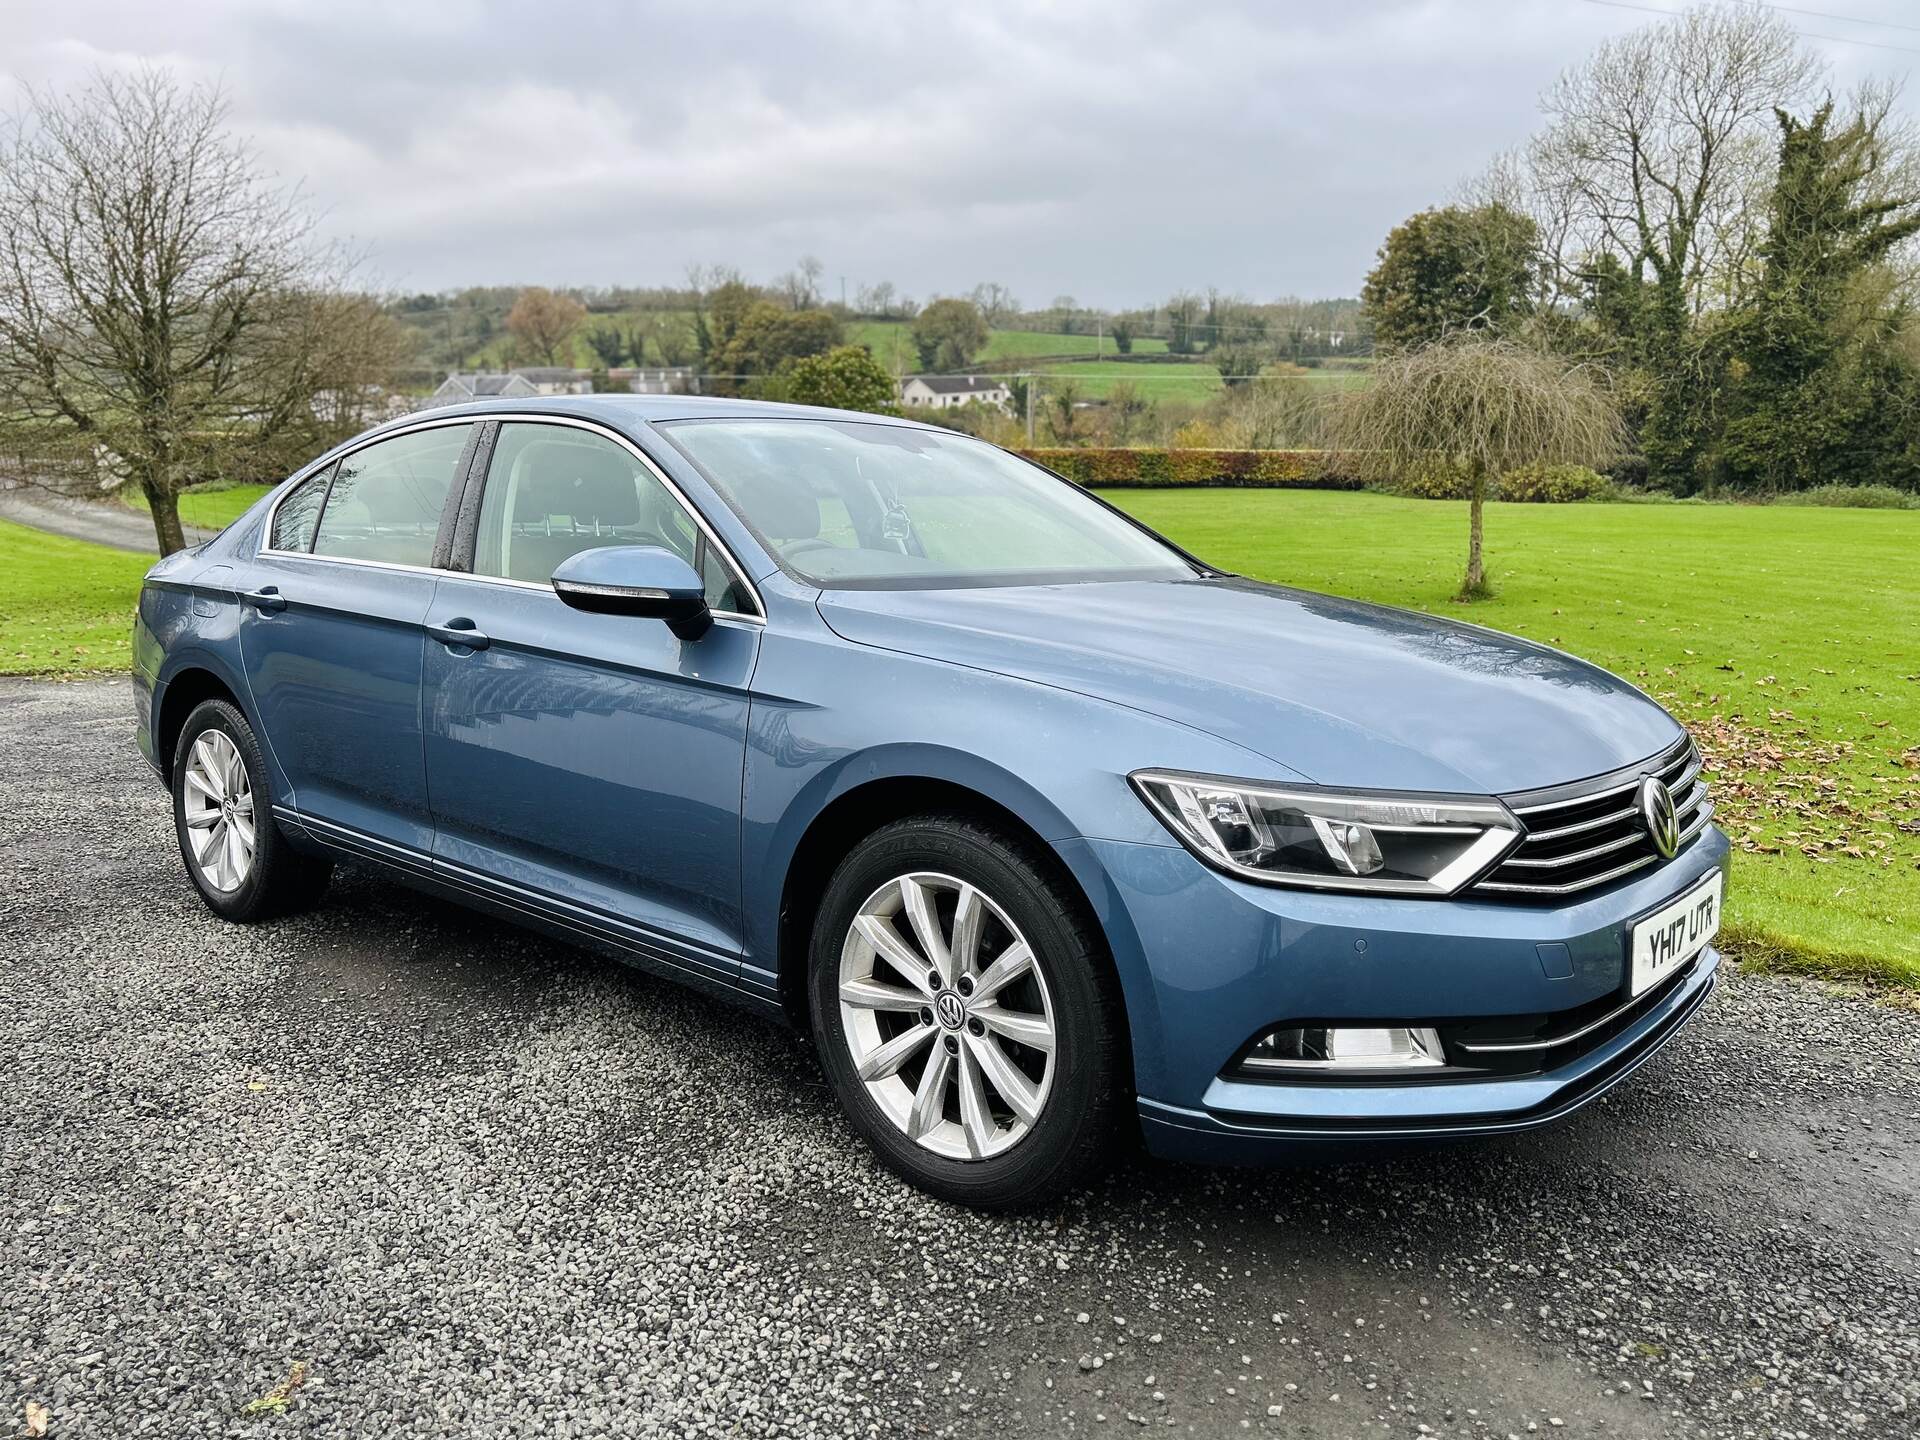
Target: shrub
[[1853, 497], [1435, 480], [1628, 470], [1120, 468], [1552, 484]]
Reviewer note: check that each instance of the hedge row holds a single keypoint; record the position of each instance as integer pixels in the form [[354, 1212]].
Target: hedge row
[[1132, 468]]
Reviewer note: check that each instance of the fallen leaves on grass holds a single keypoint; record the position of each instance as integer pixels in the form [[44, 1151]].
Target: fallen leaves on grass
[[1776, 790]]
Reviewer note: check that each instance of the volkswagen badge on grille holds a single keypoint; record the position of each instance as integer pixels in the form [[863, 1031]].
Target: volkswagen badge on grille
[[1657, 814]]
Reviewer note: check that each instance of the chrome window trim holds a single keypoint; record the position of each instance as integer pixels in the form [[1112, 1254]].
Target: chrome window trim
[[727, 556]]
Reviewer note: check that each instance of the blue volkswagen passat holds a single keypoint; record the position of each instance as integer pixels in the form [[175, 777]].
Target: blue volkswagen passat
[[1038, 824]]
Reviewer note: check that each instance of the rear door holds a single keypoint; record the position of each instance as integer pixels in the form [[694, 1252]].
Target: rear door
[[331, 635], [589, 765]]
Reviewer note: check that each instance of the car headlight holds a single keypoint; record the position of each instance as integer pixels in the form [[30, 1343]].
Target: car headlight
[[1331, 839]]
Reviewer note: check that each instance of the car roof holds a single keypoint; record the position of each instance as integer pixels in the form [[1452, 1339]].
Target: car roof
[[650, 409]]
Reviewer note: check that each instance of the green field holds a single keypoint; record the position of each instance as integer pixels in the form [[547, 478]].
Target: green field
[[211, 509], [1185, 382], [891, 341], [65, 606], [1784, 637]]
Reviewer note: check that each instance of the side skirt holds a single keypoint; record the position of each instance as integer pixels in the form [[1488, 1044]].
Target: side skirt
[[532, 909]]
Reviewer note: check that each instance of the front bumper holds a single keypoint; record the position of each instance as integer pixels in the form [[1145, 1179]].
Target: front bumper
[[1206, 961]]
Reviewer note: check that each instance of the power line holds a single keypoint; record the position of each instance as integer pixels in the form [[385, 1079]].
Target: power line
[[1803, 34], [1829, 15]]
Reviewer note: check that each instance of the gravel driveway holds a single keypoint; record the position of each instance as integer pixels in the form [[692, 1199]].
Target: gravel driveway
[[394, 1170]]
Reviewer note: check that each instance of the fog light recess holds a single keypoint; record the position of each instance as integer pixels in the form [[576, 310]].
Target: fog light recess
[[1308, 1049]]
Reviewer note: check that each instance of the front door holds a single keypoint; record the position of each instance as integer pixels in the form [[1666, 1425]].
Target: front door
[[588, 767], [331, 637]]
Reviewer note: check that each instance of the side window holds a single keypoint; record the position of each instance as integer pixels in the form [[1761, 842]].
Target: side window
[[386, 499], [554, 490], [299, 512]]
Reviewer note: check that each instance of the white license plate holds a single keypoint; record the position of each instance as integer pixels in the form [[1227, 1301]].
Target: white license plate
[[1675, 933]]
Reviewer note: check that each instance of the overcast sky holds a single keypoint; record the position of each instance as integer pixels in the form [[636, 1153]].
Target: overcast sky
[[1115, 150]]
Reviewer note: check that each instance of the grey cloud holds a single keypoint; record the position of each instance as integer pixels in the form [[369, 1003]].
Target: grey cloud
[[1113, 149]]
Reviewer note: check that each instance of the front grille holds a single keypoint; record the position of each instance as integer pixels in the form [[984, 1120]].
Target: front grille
[[1578, 837]]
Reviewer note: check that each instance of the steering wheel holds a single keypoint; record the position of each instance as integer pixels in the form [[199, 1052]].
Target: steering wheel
[[801, 547]]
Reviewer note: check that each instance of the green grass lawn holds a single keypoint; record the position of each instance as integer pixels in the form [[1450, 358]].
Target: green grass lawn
[[65, 606], [210, 509], [1787, 639]]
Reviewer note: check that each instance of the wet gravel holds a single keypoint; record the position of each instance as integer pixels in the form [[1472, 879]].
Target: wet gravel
[[394, 1170]]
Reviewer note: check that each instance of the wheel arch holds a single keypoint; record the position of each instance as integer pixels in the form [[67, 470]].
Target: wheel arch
[[857, 810], [184, 685]]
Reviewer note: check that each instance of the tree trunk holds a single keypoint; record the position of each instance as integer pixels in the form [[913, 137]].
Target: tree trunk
[[1475, 585], [164, 506]]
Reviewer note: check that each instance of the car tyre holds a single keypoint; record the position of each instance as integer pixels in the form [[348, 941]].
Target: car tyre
[[236, 856], [983, 1155]]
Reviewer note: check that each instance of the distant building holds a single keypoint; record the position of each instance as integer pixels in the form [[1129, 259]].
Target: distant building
[[556, 379], [658, 380], [943, 392], [359, 405], [458, 388]]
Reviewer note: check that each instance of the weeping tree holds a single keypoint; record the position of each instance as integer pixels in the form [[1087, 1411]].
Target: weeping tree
[[1480, 406]]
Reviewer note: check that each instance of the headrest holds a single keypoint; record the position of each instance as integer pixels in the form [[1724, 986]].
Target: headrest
[[395, 497], [779, 509], [588, 485]]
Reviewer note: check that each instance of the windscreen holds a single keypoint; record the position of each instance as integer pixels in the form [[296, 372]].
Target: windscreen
[[845, 504]]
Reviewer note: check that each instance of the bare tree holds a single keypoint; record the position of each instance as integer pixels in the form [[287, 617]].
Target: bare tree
[[996, 302], [1282, 414], [1658, 148], [876, 300], [1484, 405], [544, 323], [800, 286], [160, 302], [335, 354]]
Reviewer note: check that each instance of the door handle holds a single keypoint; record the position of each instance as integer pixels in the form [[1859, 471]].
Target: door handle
[[459, 632], [267, 598]]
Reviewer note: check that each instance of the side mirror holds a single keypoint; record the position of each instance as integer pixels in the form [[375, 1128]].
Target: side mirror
[[642, 580]]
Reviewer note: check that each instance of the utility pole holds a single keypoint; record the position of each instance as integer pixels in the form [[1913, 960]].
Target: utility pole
[[1030, 384]]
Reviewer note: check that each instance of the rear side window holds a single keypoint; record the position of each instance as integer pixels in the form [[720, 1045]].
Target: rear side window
[[299, 513], [386, 499], [553, 491]]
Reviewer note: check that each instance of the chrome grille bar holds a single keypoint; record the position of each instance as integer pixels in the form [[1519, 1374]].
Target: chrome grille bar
[[1617, 833]]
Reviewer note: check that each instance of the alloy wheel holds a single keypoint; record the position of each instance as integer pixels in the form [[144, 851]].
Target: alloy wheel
[[217, 806], [947, 1016]]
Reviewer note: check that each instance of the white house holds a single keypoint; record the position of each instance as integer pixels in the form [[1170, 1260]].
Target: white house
[[943, 392], [657, 380]]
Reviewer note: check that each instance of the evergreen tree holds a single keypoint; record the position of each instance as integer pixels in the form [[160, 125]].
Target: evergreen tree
[[1818, 378]]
